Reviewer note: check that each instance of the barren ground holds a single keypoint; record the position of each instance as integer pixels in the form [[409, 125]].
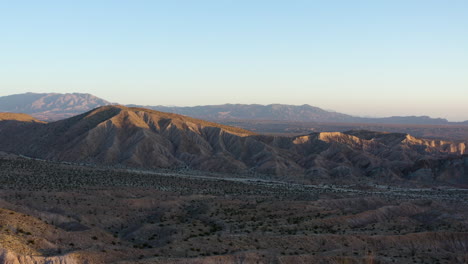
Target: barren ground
[[77, 214]]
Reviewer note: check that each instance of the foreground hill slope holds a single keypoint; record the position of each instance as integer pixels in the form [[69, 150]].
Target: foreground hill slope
[[50, 106], [138, 137], [52, 213]]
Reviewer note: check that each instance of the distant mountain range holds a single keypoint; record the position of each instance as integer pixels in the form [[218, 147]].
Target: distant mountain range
[[144, 138], [53, 106], [50, 106], [281, 112]]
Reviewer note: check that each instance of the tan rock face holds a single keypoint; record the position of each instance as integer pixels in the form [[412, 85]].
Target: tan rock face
[[137, 137]]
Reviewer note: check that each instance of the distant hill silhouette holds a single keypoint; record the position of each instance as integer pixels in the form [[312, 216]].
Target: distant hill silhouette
[[257, 112], [281, 112], [54, 106]]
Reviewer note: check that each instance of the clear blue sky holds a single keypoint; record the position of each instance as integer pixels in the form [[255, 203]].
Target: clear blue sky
[[374, 58]]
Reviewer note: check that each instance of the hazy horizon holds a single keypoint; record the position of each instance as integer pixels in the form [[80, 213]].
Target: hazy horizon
[[363, 58]]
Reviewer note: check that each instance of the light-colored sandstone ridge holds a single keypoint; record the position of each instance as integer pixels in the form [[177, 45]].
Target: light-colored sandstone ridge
[[138, 137]]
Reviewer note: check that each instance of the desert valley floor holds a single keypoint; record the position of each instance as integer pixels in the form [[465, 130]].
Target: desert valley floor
[[243, 132], [64, 213]]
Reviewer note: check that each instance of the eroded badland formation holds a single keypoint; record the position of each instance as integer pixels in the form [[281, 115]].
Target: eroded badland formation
[[132, 185]]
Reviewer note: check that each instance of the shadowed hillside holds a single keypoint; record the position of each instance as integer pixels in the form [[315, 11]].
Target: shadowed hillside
[[451, 132]]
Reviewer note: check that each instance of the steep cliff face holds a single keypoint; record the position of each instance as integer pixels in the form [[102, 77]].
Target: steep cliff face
[[136, 137]]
